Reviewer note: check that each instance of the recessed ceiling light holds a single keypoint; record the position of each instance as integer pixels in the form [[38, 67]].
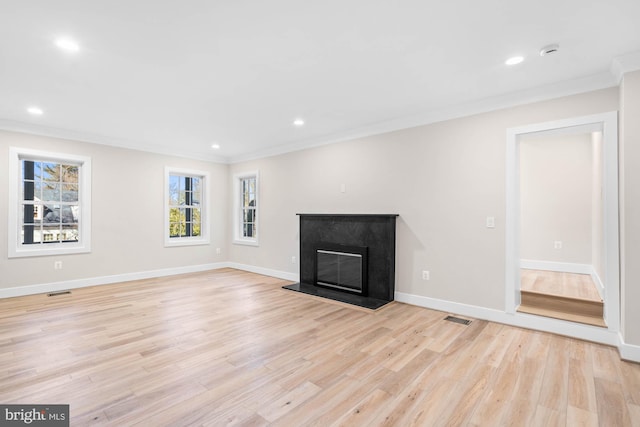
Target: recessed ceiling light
[[298, 122], [215, 146], [35, 111], [67, 44], [514, 60]]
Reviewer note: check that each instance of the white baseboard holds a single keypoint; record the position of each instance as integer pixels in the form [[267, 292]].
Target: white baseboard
[[598, 282], [104, 280], [629, 352], [522, 320], [562, 267], [285, 275], [43, 288]]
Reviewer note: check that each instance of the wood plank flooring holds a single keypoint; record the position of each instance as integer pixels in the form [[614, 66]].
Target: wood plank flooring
[[227, 347], [570, 285]]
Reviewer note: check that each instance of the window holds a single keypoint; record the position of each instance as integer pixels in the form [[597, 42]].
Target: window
[[246, 208], [186, 221], [49, 203]]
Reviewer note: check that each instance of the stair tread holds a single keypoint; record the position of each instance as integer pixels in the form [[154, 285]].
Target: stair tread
[[589, 320]]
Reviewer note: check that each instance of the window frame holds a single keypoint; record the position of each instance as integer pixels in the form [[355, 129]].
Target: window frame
[[16, 248], [238, 237], [205, 229]]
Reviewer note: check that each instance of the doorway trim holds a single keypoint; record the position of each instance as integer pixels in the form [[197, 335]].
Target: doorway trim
[[608, 124]]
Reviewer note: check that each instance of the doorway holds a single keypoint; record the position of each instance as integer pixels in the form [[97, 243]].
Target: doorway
[[561, 225], [600, 257]]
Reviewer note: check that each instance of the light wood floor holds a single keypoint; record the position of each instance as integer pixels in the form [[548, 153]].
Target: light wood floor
[[229, 347], [555, 283]]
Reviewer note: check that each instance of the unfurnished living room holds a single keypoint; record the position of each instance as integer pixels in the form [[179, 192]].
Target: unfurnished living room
[[320, 213]]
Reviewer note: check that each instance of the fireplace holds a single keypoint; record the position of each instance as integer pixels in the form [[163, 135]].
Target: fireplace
[[348, 257], [342, 267]]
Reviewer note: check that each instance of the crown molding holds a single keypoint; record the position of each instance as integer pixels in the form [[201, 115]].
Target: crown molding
[[619, 66], [53, 132], [541, 93], [625, 64]]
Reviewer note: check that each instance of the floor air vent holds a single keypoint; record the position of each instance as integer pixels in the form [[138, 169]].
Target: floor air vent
[[55, 294], [457, 320]]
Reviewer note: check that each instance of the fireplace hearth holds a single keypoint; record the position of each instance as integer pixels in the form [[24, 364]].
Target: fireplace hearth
[[348, 257]]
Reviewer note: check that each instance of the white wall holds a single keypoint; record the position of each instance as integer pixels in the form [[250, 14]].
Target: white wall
[[597, 205], [630, 206], [443, 179], [555, 193], [127, 215]]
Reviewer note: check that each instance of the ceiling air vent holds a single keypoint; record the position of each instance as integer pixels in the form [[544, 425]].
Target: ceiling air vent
[[549, 49]]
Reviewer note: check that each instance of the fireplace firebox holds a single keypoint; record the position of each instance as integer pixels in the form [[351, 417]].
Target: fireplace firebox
[[342, 267]]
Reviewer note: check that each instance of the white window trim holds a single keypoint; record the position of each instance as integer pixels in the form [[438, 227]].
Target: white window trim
[[15, 248], [205, 229], [238, 239]]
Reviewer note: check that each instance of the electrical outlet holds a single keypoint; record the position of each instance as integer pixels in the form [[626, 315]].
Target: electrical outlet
[[218, 251], [293, 259], [557, 244], [425, 275], [57, 265], [491, 222]]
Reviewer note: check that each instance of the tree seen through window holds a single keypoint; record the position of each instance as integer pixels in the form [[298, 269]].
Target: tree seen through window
[[185, 210]]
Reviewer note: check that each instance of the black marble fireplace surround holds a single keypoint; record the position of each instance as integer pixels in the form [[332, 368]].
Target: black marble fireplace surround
[[372, 233]]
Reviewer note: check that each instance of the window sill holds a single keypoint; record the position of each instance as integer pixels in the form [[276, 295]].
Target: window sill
[[49, 251], [185, 242], [245, 242]]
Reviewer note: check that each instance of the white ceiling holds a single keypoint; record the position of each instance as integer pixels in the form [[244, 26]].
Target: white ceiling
[[177, 76]]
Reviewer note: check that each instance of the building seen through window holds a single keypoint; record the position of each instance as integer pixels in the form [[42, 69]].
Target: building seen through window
[[50, 203]]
